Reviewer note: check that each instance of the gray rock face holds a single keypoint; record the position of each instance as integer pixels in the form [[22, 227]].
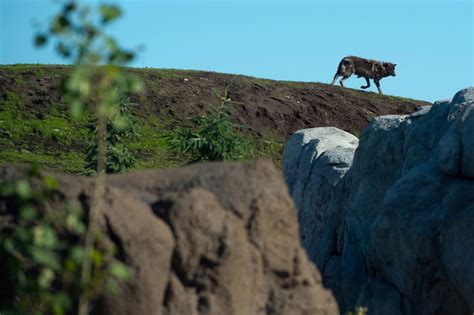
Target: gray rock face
[[204, 239], [399, 235], [314, 161]]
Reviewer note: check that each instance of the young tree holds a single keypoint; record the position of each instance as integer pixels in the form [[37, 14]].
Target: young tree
[[96, 87]]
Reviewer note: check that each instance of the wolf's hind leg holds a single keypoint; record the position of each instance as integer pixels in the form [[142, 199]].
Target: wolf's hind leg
[[335, 78], [344, 78], [377, 84], [366, 86]]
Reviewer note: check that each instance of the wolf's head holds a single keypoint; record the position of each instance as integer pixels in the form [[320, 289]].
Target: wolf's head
[[389, 68]]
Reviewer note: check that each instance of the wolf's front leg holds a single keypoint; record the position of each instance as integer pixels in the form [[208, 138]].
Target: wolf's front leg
[[377, 84], [334, 79], [368, 84]]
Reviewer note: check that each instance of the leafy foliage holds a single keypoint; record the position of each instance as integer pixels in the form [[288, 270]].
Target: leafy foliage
[[43, 248], [121, 128], [214, 139], [97, 84], [78, 32]]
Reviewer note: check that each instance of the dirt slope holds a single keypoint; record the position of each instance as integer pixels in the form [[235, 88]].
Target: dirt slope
[[269, 106]]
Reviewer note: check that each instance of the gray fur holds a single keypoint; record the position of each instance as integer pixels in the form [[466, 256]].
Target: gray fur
[[366, 68]]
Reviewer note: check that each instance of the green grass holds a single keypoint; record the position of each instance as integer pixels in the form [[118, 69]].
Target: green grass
[[19, 126], [35, 126], [153, 152], [151, 147], [11, 122], [25, 139], [67, 162], [57, 129]]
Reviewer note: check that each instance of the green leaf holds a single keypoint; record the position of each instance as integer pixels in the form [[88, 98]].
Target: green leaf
[[63, 50], [111, 286], [7, 189], [70, 6], [51, 182], [120, 271], [60, 24], [40, 40], [44, 257], [61, 303], [136, 85], [70, 265], [28, 213], [45, 236], [110, 43], [23, 189], [45, 278], [76, 109], [91, 31], [74, 223], [109, 12], [77, 254], [79, 83], [119, 57], [97, 257], [35, 170], [9, 246], [120, 123]]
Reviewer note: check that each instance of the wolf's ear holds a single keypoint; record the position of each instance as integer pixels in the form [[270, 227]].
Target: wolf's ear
[[394, 64]]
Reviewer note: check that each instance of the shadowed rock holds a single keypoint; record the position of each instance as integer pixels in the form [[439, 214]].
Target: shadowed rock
[[204, 239]]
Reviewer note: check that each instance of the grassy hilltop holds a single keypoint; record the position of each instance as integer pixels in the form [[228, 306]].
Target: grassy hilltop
[[35, 125]]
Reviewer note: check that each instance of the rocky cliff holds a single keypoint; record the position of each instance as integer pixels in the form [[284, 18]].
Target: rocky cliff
[[397, 235]]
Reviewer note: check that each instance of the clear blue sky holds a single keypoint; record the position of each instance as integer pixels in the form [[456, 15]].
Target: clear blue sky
[[431, 41]]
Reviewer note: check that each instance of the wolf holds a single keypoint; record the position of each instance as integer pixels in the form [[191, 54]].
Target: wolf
[[366, 68]]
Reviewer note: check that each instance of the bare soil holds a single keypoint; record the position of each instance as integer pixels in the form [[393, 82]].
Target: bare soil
[[269, 107]]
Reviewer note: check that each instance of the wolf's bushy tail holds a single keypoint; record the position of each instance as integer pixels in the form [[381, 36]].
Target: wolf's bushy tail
[[344, 62]]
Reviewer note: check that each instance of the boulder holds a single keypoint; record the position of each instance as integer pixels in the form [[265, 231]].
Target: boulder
[[314, 161], [398, 238], [204, 239]]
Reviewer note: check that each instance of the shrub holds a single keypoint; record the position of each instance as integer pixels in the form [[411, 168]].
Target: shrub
[[121, 128], [215, 137], [43, 250]]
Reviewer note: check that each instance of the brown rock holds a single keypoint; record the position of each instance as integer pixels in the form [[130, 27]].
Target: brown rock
[[206, 239]]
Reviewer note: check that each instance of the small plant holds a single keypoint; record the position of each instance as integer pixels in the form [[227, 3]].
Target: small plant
[[215, 137], [43, 250], [120, 128], [95, 87]]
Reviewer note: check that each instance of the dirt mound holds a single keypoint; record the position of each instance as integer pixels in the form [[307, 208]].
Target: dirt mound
[[275, 106], [205, 239], [268, 107]]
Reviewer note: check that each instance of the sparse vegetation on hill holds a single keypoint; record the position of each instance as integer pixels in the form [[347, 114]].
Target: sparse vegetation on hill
[[35, 124]]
